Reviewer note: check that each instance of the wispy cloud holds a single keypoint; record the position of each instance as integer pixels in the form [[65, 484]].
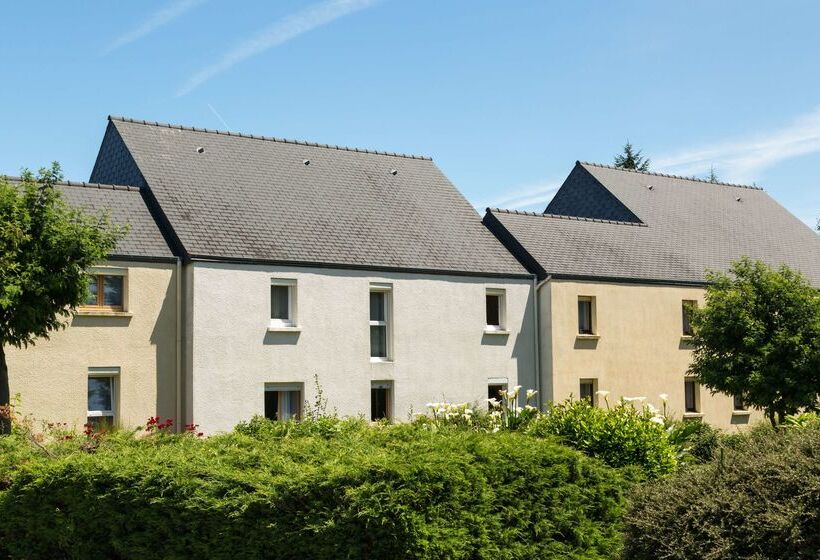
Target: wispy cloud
[[278, 33], [743, 160], [535, 194], [158, 19]]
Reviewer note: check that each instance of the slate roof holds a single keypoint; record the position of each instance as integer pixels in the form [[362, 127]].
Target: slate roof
[[124, 206], [608, 223], [235, 197]]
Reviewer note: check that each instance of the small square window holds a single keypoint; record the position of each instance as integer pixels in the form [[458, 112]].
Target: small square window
[[586, 315], [380, 397], [380, 323], [282, 303], [587, 389], [283, 401], [691, 395], [106, 291], [687, 306], [102, 400], [494, 306]]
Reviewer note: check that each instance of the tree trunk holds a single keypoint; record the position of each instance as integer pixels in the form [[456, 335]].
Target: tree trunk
[[5, 394]]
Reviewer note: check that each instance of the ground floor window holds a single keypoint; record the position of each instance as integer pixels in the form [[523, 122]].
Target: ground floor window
[[102, 385], [587, 389], [380, 397], [283, 401], [494, 391]]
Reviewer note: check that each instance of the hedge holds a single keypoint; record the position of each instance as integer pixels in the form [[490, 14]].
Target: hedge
[[759, 498], [352, 492]]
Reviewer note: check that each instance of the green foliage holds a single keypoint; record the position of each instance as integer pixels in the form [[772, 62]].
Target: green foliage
[[759, 498], [759, 337], [620, 436], [631, 159], [278, 490], [695, 441], [45, 249]]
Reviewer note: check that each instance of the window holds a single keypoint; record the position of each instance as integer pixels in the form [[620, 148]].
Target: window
[[102, 397], [686, 311], [738, 403], [587, 390], [494, 392], [105, 291], [380, 395], [283, 401], [282, 303], [380, 323], [691, 397], [495, 303], [586, 315]]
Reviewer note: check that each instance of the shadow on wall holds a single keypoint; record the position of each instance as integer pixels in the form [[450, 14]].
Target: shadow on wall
[[494, 339], [524, 348], [94, 321], [163, 338], [281, 338], [585, 343]]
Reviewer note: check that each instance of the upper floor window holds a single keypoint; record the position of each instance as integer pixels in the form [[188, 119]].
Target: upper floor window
[[495, 310], [687, 306], [586, 315], [691, 396], [380, 322], [106, 291], [282, 303]]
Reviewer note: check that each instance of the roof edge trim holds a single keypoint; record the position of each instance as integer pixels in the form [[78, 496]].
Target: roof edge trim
[[565, 217], [668, 175]]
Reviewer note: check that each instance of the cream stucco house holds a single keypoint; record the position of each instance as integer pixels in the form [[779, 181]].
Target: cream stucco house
[[117, 361], [619, 256], [367, 269]]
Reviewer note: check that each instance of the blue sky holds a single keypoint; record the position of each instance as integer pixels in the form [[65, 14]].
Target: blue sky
[[504, 95]]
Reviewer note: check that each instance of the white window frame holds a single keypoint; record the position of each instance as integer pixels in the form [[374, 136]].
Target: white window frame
[[288, 387], [290, 322], [593, 317], [388, 385], [501, 294], [387, 290], [112, 373]]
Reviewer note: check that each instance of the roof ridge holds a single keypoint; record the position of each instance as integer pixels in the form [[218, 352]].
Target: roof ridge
[[565, 217], [82, 184], [670, 176], [267, 138]]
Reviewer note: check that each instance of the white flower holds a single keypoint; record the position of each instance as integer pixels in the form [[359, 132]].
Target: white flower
[[657, 419], [664, 397], [494, 403], [468, 411], [650, 408], [633, 399], [431, 405], [604, 394], [531, 393], [529, 407], [516, 390], [441, 410]]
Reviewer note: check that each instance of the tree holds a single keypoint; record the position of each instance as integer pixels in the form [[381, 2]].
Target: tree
[[45, 248], [631, 159], [758, 337], [712, 177]]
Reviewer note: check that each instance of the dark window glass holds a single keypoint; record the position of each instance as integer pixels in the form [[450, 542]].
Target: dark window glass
[[100, 394], [584, 316], [93, 289], [738, 403], [379, 403], [272, 405], [587, 391], [687, 317], [378, 341], [493, 310], [280, 302], [283, 405], [377, 300], [112, 291], [690, 396]]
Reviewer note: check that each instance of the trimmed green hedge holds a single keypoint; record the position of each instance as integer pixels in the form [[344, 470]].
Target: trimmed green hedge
[[339, 492], [759, 498]]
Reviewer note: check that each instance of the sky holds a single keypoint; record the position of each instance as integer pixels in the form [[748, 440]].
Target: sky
[[504, 95]]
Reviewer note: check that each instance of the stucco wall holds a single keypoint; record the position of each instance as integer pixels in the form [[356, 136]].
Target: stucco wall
[[640, 351], [51, 377], [440, 350]]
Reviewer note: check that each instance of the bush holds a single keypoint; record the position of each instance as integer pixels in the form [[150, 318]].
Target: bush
[[759, 498], [695, 440], [282, 491], [620, 436]]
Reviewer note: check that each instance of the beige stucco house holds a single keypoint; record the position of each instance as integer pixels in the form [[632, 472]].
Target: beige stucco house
[[619, 256], [117, 360]]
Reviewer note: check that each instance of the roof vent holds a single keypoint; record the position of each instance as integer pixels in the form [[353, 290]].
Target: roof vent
[[739, 199], [394, 171], [650, 187], [306, 161], [200, 150]]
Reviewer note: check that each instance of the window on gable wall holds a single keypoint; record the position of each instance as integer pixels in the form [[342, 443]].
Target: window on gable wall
[[106, 292]]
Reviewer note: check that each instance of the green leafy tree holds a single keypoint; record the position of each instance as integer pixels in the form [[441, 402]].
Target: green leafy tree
[[45, 248], [631, 159], [758, 337]]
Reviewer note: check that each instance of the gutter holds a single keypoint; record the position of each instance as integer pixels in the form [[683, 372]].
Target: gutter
[[536, 287], [179, 345]]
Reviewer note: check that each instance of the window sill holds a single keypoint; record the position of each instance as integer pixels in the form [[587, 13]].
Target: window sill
[[102, 313], [284, 329], [687, 415], [496, 331], [587, 336], [381, 361], [687, 338], [741, 412]]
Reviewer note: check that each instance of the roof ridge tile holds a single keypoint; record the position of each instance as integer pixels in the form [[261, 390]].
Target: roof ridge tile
[[82, 184], [268, 138], [565, 217], [670, 176]]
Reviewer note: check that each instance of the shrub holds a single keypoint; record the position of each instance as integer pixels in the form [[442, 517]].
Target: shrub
[[620, 436], [282, 491], [759, 498], [695, 440]]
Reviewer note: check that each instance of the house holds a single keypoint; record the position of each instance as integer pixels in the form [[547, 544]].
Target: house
[[366, 270], [118, 358], [620, 255]]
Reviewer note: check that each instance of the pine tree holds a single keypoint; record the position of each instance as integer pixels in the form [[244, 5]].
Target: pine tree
[[631, 159]]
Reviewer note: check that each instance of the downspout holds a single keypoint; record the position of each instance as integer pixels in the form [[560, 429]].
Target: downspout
[[179, 346], [536, 286]]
